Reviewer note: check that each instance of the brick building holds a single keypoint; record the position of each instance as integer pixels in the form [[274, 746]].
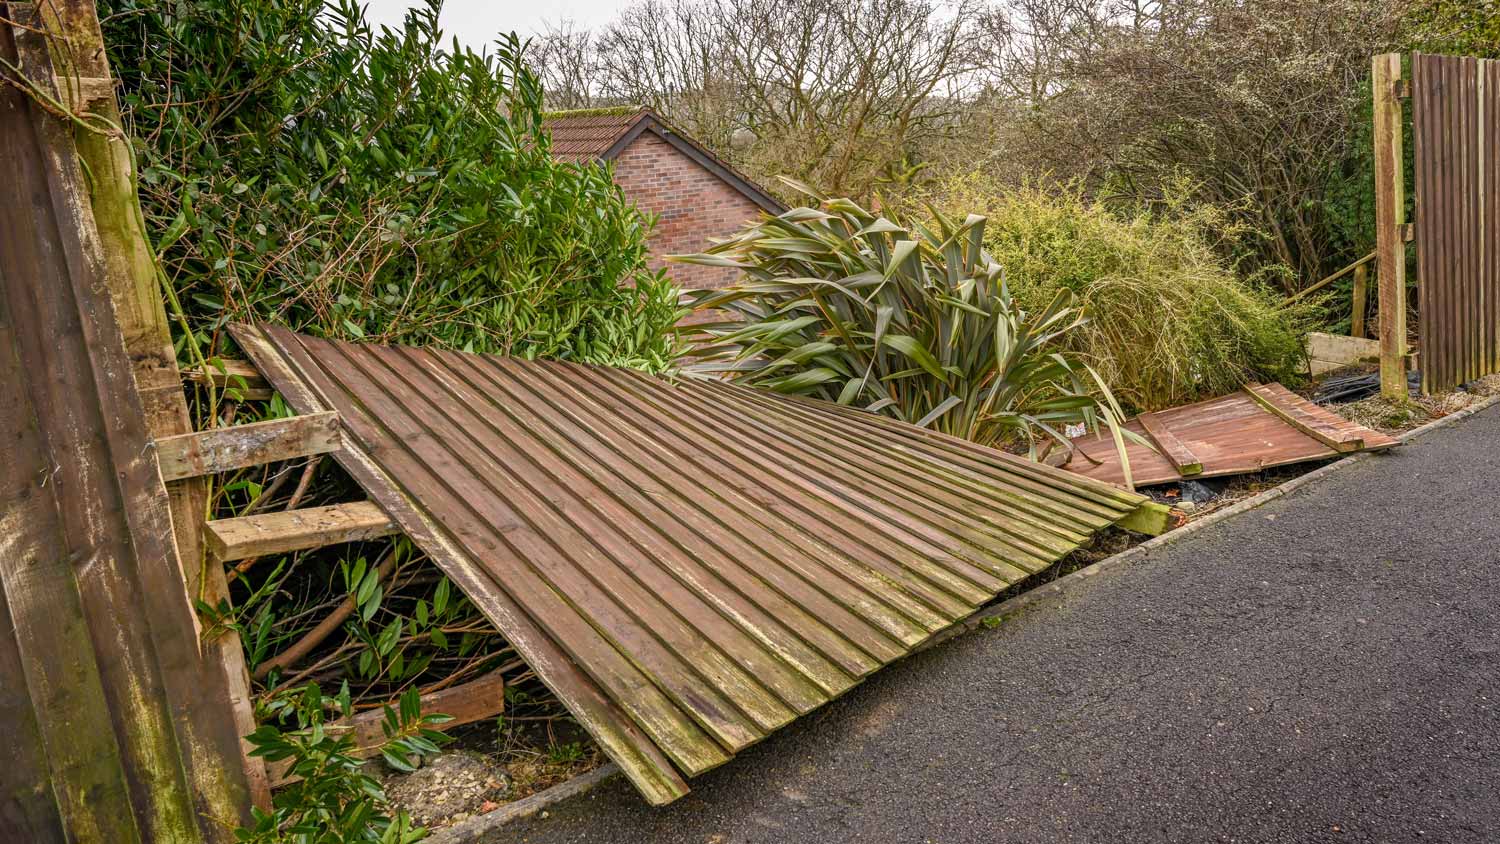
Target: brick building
[[693, 194]]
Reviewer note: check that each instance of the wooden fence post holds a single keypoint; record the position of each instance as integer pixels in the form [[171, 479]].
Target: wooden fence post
[[1390, 219], [1361, 286], [83, 79]]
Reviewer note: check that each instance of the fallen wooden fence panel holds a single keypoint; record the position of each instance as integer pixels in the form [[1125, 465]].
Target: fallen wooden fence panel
[[690, 565], [116, 728], [1262, 426]]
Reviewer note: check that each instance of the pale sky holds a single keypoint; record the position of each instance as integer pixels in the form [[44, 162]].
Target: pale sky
[[475, 22]]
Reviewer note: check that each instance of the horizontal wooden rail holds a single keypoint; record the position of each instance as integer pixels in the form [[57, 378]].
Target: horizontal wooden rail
[[465, 704], [1330, 279], [297, 530], [1299, 418], [239, 375], [227, 449]]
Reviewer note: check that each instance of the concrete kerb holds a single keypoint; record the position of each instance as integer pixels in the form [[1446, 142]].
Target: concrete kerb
[[475, 828]]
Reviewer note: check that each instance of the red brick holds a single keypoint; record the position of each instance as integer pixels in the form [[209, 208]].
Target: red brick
[[692, 205]]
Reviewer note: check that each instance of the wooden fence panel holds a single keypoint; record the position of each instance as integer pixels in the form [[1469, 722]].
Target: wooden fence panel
[[1456, 126], [117, 732]]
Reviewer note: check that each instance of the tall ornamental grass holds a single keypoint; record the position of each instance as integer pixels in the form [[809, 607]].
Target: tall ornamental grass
[[1169, 320]]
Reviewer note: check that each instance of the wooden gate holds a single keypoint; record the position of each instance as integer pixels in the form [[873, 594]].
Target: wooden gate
[[1456, 132]]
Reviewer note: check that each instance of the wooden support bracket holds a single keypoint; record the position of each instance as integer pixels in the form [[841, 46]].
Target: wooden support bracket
[[1151, 518], [297, 530], [227, 449], [237, 375]]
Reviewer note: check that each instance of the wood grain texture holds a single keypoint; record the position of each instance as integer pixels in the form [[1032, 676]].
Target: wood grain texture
[[1183, 459], [134, 290], [1390, 217], [226, 449], [643, 544], [1305, 416], [296, 530], [1455, 125], [138, 740], [624, 742]]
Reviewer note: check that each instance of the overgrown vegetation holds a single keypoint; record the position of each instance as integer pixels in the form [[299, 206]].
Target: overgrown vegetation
[[299, 168], [1259, 103], [1169, 319], [331, 800], [900, 318]]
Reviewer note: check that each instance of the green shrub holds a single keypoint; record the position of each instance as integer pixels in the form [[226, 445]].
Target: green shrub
[[298, 168], [1168, 319], [331, 800], [908, 321]]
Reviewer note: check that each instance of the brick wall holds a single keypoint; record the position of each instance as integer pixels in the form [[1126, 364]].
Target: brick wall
[[691, 205]]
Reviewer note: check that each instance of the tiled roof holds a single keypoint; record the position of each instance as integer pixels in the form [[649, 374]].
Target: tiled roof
[[587, 135]]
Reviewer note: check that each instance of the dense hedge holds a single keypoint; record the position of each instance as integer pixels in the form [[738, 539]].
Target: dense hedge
[[297, 167]]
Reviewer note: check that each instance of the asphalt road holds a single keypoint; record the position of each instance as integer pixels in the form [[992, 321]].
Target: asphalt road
[[1324, 668]]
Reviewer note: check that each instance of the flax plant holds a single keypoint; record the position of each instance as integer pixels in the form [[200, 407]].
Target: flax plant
[[906, 319]]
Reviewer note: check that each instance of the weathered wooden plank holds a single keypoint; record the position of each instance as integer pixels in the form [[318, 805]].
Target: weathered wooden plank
[[1182, 457], [176, 747], [131, 280], [1390, 214], [227, 449], [1150, 518], [1358, 304], [1337, 347], [624, 741], [297, 530], [54, 680], [240, 376], [465, 704], [1304, 416]]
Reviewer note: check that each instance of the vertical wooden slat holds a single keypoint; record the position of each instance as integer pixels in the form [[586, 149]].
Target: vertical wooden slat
[[126, 722], [1389, 215], [86, 84], [1456, 122]]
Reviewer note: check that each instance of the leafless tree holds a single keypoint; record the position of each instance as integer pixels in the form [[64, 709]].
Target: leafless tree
[[842, 95]]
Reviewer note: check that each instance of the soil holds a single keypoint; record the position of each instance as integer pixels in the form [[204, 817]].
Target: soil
[[534, 746], [1395, 417]]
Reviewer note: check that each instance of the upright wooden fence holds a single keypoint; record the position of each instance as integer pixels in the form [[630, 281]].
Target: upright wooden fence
[[1456, 134], [116, 728]]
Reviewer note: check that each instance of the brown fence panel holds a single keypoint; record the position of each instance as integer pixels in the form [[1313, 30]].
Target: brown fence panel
[[1456, 126], [113, 730]]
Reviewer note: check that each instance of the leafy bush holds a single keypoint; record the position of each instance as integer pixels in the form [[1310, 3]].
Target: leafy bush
[[299, 168], [1168, 319], [909, 321], [332, 800]]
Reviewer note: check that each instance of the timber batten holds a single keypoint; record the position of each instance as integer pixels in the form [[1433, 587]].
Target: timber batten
[[118, 727], [688, 566]]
